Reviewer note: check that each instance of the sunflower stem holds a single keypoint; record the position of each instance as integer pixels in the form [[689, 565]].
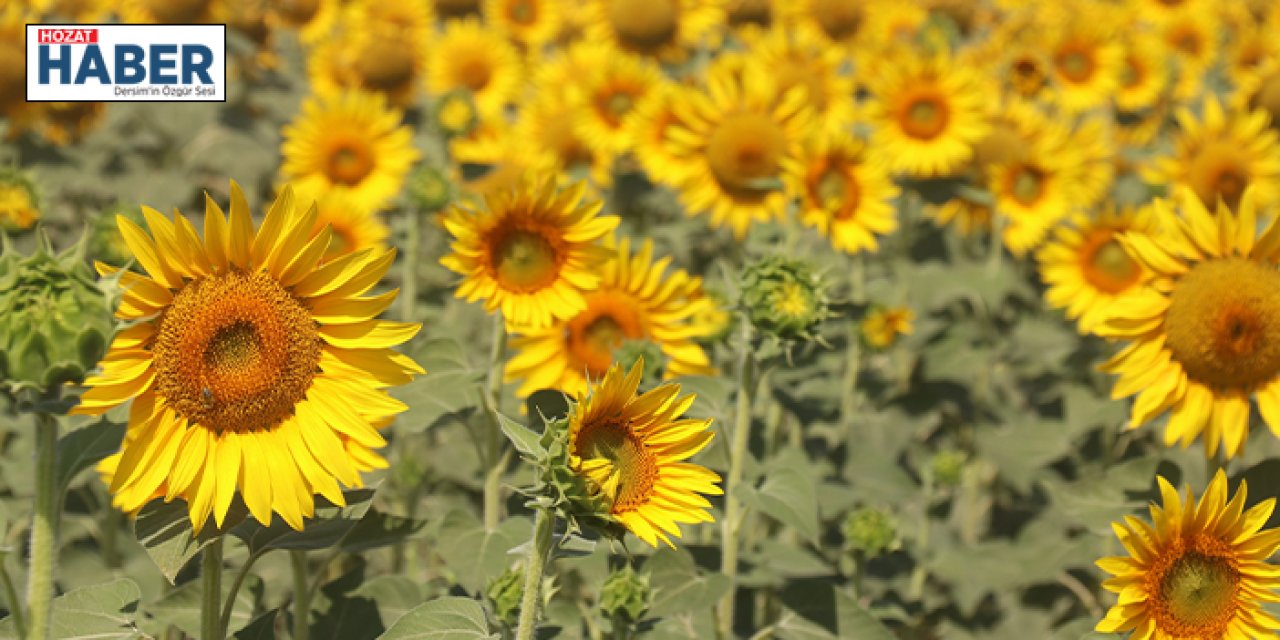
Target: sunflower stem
[[11, 598], [996, 250], [301, 594], [211, 580], [849, 385], [230, 604], [44, 527], [498, 455], [733, 511], [409, 277], [534, 566]]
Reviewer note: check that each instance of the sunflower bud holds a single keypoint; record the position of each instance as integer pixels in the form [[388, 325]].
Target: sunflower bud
[[625, 595], [455, 113], [948, 467], [870, 531], [105, 242], [56, 321], [784, 298], [504, 594], [19, 201], [429, 188]]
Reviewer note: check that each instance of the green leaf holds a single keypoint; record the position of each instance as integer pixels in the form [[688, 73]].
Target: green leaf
[[787, 496], [526, 441], [434, 396], [819, 609], [330, 524], [377, 529], [450, 618], [475, 554], [100, 612], [85, 447], [164, 531], [679, 587], [181, 606], [263, 627]]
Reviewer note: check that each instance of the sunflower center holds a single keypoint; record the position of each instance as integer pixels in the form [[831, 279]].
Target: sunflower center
[[1026, 185], [1108, 267], [525, 260], [1186, 39], [745, 152], [1223, 323], [924, 117], [644, 24], [792, 299], [1199, 592], [744, 12], [385, 64], [13, 72], [1230, 185], [473, 72], [839, 19], [632, 470], [611, 318], [616, 105], [297, 12], [175, 11], [1133, 72], [1028, 77], [1216, 171], [836, 193], [235, 352], [349, 163], [522, 12], [1075, 64], [1002, 145], [457, 8]]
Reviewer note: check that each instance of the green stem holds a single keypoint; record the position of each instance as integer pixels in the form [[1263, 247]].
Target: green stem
[[44, 527], [229, 606], [534, 567], [11, 598], [409, 277], [849, 385], [733, 511], [915, 588], [301, 594], [996, 255], [211, 580], [497, 455]]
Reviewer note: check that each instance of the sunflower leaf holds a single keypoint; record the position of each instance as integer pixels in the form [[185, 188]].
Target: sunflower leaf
[[451, 618], [85, 447], [329, 526], [526, 441], [164, 531], [102, 611]]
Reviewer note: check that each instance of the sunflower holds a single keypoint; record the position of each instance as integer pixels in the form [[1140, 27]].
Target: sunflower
[[835, 23], [19, 204], [1260, 89], [737, 146], [353, 227], [882, 326], [531, 252], [532, 23], [312, 19], [380, 47], [654, 117], [634, 302], [558, 143], [608, 98], [168, 11], [1191, 37], [928, 113], [1146, 73], [13, 66], [468, 55], [1221, 154], [1087, 62], [631, 449], [351, 141], [1205, 335], [752, 17], [1087, 271], [504, 159], [251, 367], [664, 29], [1038, 191], [798, 60], [1200, 570], [845, 195]]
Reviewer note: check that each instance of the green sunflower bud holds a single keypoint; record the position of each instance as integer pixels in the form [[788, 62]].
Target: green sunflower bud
[[57, 319], [429, 188], [784, 298], [19, 201], [948, 467], [455, 113], [645, 352], [105, 242], [871, 531], [504, 594], [625, 595]]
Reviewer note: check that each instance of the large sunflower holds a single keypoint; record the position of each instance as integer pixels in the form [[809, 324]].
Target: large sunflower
[[1221, 154], [665, 29], [354, 227], [1086, 269], [1200, 570], [634, 302], [350, 141], [845, 195], [632, 450], [471, 56], [251, 367], [530, 251], [1205, 335]]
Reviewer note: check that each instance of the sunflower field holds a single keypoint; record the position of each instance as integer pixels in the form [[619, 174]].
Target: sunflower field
[[649, 319]]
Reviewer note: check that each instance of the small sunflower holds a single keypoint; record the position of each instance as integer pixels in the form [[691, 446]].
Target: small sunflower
[[312, 19], [1192, 38], [168, 11], [19, 202], [1087, 61], [1037, 191], [608, 98], [1222, 153], [631, 449], [351, 141], [353, 227], [531, 252], [471, 56], [835, 23], [882, 326], [380, 48], [13, 65], [1205, 335], [1146, 74], [1086, 268], [664, 29], [1260, 89], [653, 118], [1200, 570], [928, 113], [845, 195], [251, 367], [634, 302], [558, 143], [63, 123], [532, 23], [799, 61]]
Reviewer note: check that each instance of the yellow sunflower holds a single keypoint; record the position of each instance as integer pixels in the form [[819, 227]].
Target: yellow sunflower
[[608, 98], [63, 123], [633, 302], [664, 29], [1200, 570], [1222, 153], [532, 23], [1260, 89], [751, 17], [798, 60], [531, 252], [1146, 73], [737, 146], [1086, 59], [251, 367], [647, 129], [1205, 335], [380, 47], [559, 144], [504, 158], [883, 325], [353, 227], [167, 11], [351, 141], [928, 113], [468, 55], [835, 23], [1192, 38], [631, 448], [1085, 268], [845, 195], [19, 206], [13, 66], [312, 19]]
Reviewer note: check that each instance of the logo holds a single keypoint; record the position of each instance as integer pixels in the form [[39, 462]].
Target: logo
[[127, 63]]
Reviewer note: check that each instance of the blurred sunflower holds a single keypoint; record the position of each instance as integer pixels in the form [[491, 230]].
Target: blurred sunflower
[[471, 56], [558, 143], [1260, 89], [835, 23], [798, 60], [353, 227], [1205, 335], [503, 158], [312, 19], [63, 123], [1145, 75], [737, 146], [1085, 268], [19, 202], [379, 47], [631, 448], [664, 29], [532, 23], [647, 130], [531, 252], [634, 302], [846, 196], [1191, 36], [13, 66], [928, 113], [285, 391], [608, 99], [751, 17], [1222, 153], [1087, 61], [351, 141], [883, 325], [167, 11], [1035, 193], [1200, 570]]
